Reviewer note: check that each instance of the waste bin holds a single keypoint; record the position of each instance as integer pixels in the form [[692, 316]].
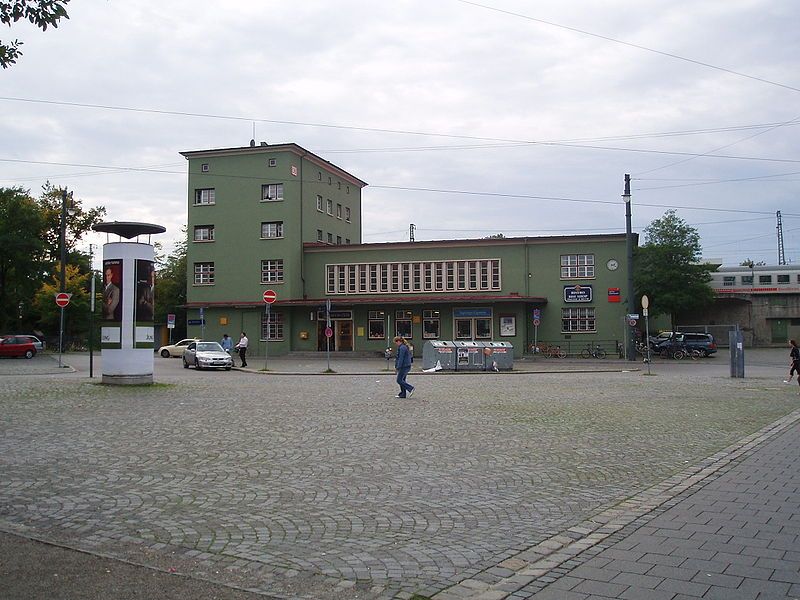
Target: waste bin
[[469, 356], [498, 356], [438, 353]]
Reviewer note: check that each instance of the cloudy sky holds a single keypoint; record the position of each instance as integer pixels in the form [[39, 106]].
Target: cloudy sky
[[466, 118]]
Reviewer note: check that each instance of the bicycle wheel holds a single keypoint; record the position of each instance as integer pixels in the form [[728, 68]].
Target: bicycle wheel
[[600, 353], [678, 354], [585, 353], [561, 353]]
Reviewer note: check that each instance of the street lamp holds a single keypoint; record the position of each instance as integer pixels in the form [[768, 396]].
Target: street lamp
[[626, 196]]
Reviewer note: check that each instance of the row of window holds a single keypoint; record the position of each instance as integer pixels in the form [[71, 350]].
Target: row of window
[[418, 276], [271, 272], [272, 162], [270, 192], [784, 279], [269, 230], [478, 328], [328, 205], [329, 239]]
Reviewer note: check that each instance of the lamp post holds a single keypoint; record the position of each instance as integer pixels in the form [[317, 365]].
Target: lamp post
[[630, 351]]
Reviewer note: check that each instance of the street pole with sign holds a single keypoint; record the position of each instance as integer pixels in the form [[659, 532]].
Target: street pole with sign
[[328, 331], [626, 196], [645, 313], [91, 315], [269, 296]]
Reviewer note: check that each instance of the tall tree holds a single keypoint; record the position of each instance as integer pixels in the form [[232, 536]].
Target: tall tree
[[668, 268], [171, 286], [22, 256], [42, 13], [76, 314]]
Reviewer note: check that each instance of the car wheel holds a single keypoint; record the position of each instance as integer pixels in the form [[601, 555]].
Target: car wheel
[[185, 364], [29, 353], [704, 353], [165, 354], [196, 364]]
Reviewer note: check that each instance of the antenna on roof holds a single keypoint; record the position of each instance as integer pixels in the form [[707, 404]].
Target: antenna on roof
[[781, 252], [411, 229]]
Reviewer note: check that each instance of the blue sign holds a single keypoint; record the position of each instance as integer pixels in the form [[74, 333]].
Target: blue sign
[[466, 313], [537, 313], [577, 293], [197, 321]]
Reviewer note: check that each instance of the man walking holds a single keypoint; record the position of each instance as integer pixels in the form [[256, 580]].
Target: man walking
[[242, 348]]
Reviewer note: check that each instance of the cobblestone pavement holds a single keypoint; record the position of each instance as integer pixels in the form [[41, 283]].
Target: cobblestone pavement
[[328, 487]]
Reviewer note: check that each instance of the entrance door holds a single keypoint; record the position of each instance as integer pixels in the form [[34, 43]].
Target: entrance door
[[344, 336], [779, 331]]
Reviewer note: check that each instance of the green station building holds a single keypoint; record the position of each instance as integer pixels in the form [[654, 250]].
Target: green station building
[[278, 218]]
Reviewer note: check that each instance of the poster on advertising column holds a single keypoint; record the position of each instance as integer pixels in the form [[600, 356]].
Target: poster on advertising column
[[145, 291], [112, 290]]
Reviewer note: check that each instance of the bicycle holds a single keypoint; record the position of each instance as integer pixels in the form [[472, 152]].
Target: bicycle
[[596, 352], [554, 352]]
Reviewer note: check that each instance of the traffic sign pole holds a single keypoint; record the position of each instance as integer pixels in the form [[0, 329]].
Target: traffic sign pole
[[62, 301], [269, 296]]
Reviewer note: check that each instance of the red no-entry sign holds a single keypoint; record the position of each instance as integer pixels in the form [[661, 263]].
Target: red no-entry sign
[[269, 296], [62, 299]]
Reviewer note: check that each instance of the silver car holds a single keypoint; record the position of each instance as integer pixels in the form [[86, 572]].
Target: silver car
[[206, 355]]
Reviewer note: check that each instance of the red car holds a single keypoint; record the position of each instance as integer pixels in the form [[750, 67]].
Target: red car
[[17, 346]]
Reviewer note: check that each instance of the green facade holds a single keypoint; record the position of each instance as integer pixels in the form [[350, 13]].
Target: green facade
[[503, 281]]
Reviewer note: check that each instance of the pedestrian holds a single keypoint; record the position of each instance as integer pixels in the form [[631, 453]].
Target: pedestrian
[[227, 343], [794, 362], [242, 348], [402, 365]]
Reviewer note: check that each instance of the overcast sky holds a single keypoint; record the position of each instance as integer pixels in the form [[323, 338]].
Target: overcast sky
[[466, 119]]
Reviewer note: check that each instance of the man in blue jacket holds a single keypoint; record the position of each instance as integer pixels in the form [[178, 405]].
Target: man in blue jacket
[[402, 364]]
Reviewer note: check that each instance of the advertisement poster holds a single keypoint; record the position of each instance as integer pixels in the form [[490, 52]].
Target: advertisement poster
[[112, 290], [145, 291]]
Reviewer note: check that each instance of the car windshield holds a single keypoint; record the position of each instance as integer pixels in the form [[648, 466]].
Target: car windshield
[[209, 347]]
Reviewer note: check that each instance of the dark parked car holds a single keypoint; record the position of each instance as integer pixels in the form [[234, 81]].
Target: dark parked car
[[17, 346], [704, 342]]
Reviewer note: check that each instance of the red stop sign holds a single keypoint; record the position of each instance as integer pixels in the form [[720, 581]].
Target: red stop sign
[[270, 296], [62, 299]]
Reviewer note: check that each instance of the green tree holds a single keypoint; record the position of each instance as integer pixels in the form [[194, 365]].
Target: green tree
[[171, 287], [22, 257], [42, 13], [668, 269], [76, 315]]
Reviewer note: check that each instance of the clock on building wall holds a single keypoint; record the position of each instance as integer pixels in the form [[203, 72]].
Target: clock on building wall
[[612, 265]]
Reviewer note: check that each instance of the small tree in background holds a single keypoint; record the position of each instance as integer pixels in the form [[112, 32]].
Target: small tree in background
[[668, 269]]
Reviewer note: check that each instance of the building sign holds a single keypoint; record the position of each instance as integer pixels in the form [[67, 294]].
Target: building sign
[[614, 295], [577, 293], [471, 313]]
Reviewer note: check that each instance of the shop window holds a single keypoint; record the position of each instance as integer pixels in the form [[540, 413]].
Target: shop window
[[402, 323], [463, 329], [430, 324], [483, 329], [377, 325]]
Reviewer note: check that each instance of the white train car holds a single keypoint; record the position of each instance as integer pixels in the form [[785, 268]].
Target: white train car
[[757, 280]]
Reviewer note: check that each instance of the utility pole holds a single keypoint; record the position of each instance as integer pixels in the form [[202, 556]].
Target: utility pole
[[781, 252], [631, 339]]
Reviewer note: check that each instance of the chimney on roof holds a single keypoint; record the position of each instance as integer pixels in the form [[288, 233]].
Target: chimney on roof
[[264, 144], [252, 143]]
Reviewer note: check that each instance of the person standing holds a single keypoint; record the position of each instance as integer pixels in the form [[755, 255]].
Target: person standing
[[242, 348], [227, 343], [402, 365], [794, 362]]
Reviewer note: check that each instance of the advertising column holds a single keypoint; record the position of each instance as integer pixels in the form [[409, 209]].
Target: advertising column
[[127, 336]]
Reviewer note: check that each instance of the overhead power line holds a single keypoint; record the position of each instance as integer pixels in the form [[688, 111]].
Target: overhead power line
[[632, 45]]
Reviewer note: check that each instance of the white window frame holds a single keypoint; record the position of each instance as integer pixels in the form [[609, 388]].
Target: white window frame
[[577, 266], [274, 230], [272, 192], [204, 273], [581, 319], [319, 203], [272, 270], [205, 196], [208, 236], [347, 213], [272, 330]]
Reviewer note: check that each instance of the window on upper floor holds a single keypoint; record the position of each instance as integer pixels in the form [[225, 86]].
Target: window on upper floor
[[338, 211], [203, 233], [272, 229], [272, 270], [272, 162], [272, 192], [338, 239], [347, 213], [330, 238], [577, 266], [204, 168], [204, 273], [329, 207], [319, 235], [319, 203], [204, 196]]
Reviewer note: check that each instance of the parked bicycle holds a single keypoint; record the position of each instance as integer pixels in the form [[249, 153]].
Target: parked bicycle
[[549, 350], [593, 352]]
